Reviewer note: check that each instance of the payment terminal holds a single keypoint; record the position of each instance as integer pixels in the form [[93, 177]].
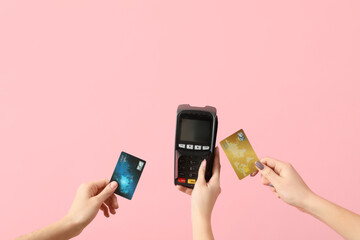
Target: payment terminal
[[195, 138]]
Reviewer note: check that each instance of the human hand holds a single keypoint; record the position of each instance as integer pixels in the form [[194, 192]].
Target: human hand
[[284, 181], [204, 194], [89, 198], [203, 198]]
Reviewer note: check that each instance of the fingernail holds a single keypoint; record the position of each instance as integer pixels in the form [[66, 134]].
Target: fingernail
[[113, 185], [259, 165], [271, 185]]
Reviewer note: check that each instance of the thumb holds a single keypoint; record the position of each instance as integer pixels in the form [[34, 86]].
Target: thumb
[[107, 192], [268, 173], [201, 173]]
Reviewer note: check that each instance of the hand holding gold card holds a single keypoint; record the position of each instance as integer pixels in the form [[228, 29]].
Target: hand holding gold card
[[240, 153]]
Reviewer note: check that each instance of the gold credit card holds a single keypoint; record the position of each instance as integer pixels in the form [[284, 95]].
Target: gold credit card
[[240, 153]]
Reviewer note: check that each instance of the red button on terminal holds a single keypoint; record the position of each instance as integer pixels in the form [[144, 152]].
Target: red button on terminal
[[182, 180]]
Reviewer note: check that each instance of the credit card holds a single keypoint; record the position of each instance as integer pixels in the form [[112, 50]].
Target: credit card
[[240, 153], [127, 174]]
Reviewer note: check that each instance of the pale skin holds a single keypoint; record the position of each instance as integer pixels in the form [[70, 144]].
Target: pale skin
[[203, 198], [281, 177], [90, 198], [287, 185]]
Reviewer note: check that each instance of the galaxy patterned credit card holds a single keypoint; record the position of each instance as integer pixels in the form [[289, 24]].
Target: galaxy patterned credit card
[[127, 174], [240, 153]]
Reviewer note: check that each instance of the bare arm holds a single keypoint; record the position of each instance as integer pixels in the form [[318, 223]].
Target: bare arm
[[343, 221], [202, 229], [287, 185], [90, 198], [61, 230], [203, 198]]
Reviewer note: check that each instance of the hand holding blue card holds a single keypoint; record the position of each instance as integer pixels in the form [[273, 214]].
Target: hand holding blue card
[[127, 174]]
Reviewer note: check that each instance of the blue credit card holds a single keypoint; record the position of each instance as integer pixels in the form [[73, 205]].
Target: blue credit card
[[127, 174]]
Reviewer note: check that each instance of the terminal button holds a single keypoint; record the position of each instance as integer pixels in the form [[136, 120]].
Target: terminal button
[[192, 175], [182, 180], [206, 147], [191, 181], [192, 162]]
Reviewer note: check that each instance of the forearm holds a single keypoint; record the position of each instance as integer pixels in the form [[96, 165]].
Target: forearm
[[201, 228], [343, 221], [61, 230]]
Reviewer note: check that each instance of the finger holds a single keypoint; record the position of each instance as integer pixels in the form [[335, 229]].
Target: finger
[[109, 202], [112, 202], [106, 192], [111, 209], [96, 186], [265, 181], [254, 173], [184, 189], [201, 173], [100, 184], [268, 173], [105, 210], [275, 164], [115, 201], [217, 166]]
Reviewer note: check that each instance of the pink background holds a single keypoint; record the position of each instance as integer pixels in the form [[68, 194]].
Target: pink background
[[80, 81]]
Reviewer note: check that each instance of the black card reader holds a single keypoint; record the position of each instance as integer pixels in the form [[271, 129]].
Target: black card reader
[[195, 138]]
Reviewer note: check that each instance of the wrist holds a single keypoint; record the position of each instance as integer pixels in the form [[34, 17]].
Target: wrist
[[200, 221], [201, 226], [309, 202], [73, 227], [199, 216]]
